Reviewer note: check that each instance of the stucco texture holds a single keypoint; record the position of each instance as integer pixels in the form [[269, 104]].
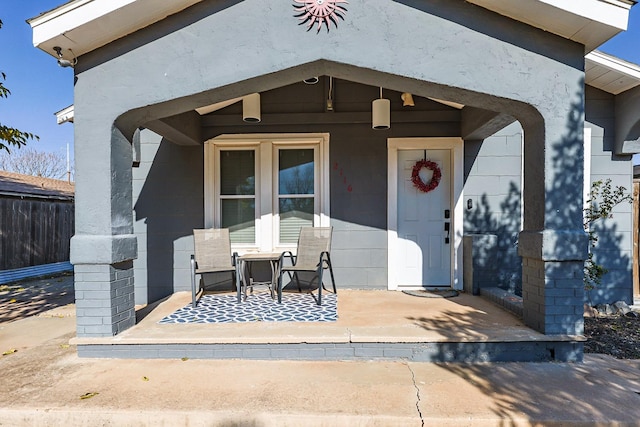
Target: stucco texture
[[218, 50]]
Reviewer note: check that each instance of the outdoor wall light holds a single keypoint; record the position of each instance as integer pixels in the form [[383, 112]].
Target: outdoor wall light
[[381, 113], [407, 100], [65, 62], [251, 108]]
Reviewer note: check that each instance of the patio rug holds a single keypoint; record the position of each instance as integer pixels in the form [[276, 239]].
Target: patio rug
[[259, 307]]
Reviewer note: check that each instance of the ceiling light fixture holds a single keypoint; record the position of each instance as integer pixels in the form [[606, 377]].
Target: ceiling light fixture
[[381, 113], [251, 108]]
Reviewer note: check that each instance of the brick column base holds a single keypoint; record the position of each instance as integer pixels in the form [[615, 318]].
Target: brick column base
[[104, 299], [553, 296]]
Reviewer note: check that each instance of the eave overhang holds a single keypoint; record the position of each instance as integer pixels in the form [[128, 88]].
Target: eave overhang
[[85, 25], [610, 74], [588, 22]]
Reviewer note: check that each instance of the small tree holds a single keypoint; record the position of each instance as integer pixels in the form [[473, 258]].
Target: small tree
[[11, 136], [28, 161], [602, 200]]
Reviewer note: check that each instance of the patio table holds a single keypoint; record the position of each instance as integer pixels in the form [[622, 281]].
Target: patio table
[[245, 264]]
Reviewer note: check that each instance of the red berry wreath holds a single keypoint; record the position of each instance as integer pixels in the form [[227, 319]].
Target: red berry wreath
[[425, 187]]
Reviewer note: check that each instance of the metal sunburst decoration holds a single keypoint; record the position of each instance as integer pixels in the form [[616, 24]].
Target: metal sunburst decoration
[[320, 12]]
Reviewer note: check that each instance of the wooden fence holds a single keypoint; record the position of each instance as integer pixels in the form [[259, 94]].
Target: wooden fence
[[34, 231]]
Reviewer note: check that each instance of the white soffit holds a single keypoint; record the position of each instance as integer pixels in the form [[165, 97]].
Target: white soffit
[[589, 22], [610, 74], [85, 25]]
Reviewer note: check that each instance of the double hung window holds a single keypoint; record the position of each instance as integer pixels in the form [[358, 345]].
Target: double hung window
[[265, 189]]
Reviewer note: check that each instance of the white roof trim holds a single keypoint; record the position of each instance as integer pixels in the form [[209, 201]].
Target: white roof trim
[[65, 115], [85, 25], [588, 22], [611, 74], [597, 10], [615, 63]]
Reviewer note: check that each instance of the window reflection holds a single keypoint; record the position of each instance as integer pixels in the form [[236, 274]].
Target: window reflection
[[296, 189]]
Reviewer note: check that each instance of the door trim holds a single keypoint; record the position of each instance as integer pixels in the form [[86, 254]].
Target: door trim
[[455, 145]]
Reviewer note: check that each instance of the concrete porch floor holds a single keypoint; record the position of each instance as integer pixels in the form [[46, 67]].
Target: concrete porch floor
[[371, 324]]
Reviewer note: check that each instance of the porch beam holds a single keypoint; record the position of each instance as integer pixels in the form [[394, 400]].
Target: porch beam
[[478, 123], [628, 122], [181, 129], [334, 118]]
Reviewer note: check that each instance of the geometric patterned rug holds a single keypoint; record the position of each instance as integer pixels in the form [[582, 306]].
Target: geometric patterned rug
[[258, 307]]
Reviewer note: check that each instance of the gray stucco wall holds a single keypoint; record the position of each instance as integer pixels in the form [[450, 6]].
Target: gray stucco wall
[[449, 50], [168, 205], [615, 241], [492, 182], [137, 67]]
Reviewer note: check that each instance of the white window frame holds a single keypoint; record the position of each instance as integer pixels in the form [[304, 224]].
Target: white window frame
[[266, 147]]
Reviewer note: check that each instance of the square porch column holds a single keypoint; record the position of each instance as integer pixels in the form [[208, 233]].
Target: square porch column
[[104, 299], [104, 246], [554, 245], [552, 287], [104, 284], [555, 303]]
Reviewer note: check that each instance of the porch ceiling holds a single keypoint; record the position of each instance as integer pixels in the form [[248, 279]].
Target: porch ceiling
[[85, 25]]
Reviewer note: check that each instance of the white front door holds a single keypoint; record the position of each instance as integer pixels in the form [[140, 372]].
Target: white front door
[[425, 227], [424, 222]]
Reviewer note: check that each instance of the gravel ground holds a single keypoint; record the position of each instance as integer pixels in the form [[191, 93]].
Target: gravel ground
[[618, 336]]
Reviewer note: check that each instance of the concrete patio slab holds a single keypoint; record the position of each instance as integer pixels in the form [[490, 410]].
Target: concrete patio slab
[[370, 324]]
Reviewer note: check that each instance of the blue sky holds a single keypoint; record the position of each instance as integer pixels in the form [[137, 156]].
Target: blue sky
[[39, 87]]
